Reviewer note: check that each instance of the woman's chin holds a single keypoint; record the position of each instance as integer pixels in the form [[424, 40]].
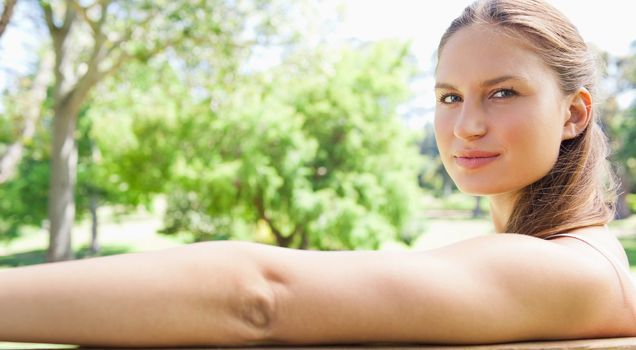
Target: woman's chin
[[486, 189], [480, 190], [475, 193]]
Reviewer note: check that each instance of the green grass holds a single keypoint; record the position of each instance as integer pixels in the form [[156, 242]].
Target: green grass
[[629, 243], [38, 256]]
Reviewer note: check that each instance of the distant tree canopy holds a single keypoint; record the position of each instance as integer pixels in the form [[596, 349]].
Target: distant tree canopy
[[622, 126], [308, 154], [90, 41]]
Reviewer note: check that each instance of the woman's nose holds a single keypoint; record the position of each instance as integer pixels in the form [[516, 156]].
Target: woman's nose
[[471, 122]]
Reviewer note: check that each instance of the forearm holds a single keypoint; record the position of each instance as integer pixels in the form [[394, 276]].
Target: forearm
[[190, 295]]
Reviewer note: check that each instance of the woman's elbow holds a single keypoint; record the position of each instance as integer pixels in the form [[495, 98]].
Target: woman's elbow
[[257, 310], [250, 292]]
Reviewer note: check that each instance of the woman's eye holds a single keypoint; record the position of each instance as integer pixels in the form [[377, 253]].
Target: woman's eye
[[449, 98], [503, 93]]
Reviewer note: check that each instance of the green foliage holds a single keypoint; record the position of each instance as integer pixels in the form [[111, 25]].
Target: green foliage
[[309, 154], [622, 124], [625, 134], [38, 256], [313, 150], [127, 135], [433, 176], [23, 200], [627, 68], [631, 202]]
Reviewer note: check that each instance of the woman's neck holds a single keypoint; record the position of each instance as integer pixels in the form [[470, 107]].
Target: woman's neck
[[501, 206]]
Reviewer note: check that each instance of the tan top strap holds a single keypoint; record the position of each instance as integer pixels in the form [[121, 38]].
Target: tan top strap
[[618, 266]]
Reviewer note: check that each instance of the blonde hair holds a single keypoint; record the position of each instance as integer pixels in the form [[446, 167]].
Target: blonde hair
[[579, 191]]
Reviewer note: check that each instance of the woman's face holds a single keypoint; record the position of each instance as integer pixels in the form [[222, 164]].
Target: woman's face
[[499, 115]]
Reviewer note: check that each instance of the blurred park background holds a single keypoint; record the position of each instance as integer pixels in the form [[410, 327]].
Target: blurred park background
[[128, 126]]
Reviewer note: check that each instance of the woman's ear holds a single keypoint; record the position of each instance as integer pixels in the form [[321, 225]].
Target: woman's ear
[[579, 114]]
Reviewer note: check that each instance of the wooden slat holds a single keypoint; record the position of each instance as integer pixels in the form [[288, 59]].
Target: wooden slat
[[581, 344], [596, 344]]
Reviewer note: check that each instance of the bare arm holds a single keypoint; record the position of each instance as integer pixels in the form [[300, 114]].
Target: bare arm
[[490, 289], [497, 288], [198, 294]]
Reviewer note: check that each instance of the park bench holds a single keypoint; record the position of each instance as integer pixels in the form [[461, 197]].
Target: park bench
[[581, 344]]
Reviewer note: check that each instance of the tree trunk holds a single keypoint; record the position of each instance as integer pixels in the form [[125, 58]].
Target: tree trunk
[[5, 17], [94, 243], [62, 185], [281, 240], [477, 209], [304, 240], [622, 208], [447, 188]]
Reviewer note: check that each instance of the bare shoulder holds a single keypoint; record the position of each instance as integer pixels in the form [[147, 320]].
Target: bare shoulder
[[527, 264], [506, 255], [544, 275], [600, 235], [602, 250], [495, 288]]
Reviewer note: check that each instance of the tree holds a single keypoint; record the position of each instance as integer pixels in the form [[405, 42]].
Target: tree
[[308, 154], [433, 175], [621, 127], [311, 154], [28, 113], [93, 40], [5, 15], [23, 196]]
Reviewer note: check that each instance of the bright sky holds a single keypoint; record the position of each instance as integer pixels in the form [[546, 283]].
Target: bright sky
[[608, 24]]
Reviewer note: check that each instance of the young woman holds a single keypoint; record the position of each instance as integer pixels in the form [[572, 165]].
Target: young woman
[[514, 122]]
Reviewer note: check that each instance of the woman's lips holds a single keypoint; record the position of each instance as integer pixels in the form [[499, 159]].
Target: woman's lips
[[474, 162]]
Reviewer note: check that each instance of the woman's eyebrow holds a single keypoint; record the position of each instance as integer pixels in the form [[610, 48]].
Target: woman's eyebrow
[[486, 83], [502, 79]]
